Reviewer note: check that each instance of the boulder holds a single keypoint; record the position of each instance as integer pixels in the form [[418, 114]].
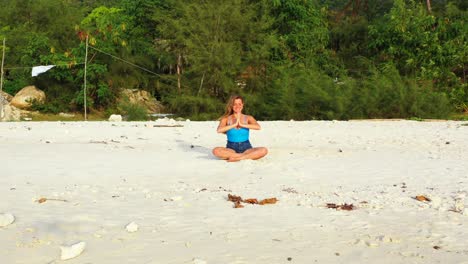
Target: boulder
[[115, 118], [9, 113], [26, 95], [7, 96], [67, 115], [142, 97]]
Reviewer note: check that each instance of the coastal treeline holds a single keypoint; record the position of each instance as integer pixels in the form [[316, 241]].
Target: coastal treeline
[[292, 59]]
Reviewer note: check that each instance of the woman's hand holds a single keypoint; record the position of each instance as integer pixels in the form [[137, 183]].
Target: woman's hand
[[223, 127], [250, 124], [238, 121]]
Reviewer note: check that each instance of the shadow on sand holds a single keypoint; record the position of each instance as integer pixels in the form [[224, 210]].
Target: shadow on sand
[[197, 148]]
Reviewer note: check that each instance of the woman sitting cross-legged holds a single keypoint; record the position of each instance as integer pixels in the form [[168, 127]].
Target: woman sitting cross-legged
[[237, 126]]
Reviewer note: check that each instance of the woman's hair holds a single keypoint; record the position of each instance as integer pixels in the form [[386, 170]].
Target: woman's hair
[[230, 104]]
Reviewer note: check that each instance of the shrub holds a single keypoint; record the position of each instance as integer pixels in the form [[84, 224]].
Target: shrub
[[134, 112], [195, 107]]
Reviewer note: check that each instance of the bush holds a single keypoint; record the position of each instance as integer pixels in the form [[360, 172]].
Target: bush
[[52, 107], [306, 93], [387, 95], [195, 107], [134, 112]]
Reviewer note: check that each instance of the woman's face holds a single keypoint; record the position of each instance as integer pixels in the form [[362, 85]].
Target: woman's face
[[238, 105]]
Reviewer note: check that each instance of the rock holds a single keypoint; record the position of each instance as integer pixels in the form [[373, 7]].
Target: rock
[[6, 219], [199, 261], [371, 244], [3, 101], [67, 115], [142, 97], [115, 118], [459, 206], [132, 227], [72, 251], [7, 96], [26, 95], [9, 113]]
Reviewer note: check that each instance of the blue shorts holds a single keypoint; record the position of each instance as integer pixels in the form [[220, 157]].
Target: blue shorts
[[239, 147]]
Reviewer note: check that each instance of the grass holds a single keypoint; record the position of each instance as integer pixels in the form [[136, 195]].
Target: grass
[[459, 117]]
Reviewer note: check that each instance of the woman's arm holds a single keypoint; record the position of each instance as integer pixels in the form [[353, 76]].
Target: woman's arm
[[223, 127], [251, 123]]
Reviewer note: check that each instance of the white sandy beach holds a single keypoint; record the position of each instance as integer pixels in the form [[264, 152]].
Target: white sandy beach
[[105, 175]]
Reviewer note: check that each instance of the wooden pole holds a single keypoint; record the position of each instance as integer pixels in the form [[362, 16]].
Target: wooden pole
[[1, 81], [179, 65], [3, 60], [84, 91]]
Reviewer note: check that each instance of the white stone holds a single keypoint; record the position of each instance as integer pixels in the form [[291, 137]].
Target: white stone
[[68, 115], [115, 118], [371, 244], [132, 227], [6, 219], [73, 251], [199, 261], [459, 206], [436, 202]]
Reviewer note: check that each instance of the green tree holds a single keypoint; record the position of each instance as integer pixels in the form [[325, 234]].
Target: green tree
[[419, 43], [302, 28], [212, 43]]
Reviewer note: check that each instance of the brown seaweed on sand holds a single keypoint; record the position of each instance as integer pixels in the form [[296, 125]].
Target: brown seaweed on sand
[[238, 205], [234, 198], [346, 207], [268, 201], [237, 200], [250, 201]]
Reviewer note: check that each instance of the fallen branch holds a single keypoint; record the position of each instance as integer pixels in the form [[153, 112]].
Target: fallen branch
[[43, 200]]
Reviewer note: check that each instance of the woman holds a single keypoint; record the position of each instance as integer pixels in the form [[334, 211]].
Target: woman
[[236, 126]]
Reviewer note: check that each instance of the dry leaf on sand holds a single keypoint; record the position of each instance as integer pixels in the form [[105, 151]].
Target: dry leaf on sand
[[42, 200], [234, 198], [250, 201], [268, 201], [238, 205], [422, 198]]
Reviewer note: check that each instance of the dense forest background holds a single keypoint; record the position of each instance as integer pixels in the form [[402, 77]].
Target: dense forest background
[[291, 59]]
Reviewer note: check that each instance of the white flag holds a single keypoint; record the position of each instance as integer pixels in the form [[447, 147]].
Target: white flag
[[41, 69]]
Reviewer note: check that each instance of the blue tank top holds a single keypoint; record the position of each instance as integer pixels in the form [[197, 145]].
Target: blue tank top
[[237, 134]]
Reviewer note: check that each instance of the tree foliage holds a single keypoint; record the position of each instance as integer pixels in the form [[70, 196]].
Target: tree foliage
[[292, 59]]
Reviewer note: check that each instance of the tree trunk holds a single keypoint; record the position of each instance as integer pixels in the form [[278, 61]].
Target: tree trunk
[[428, 5], [201, 84], [178, 73]]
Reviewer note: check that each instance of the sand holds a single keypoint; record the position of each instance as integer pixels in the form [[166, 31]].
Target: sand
[[137, 192]]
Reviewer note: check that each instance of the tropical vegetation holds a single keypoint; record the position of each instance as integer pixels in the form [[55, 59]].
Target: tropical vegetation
[[291, 59]]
